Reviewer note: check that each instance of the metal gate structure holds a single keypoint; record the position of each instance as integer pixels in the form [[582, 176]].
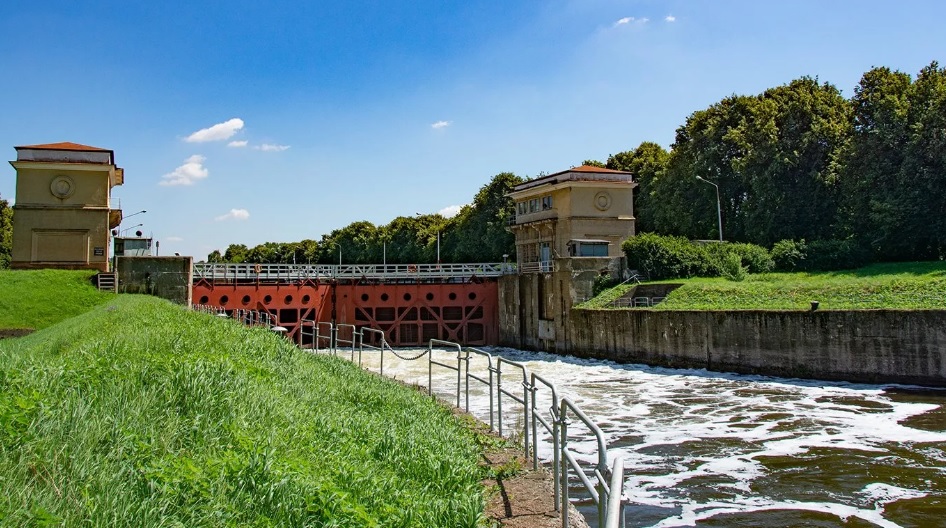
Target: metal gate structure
[[411, 303]]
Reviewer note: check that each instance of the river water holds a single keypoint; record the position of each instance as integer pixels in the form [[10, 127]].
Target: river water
[[714, 449]]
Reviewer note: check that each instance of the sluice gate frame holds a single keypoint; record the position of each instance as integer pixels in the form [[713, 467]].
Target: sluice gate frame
[[411, 303]]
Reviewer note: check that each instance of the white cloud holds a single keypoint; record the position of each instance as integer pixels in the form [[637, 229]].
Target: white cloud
[[670, 18], [218, 132], [267, 147], [440, 124], [234, 214], [189, 173], [237, 144], [450, 211], [631, 20], [174, 239]]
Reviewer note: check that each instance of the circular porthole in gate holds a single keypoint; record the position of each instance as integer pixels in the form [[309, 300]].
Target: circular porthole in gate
[[429, 296], [246, 300], [306, 299], [288, 299], [452, 296], [224, 300], [364, 297], [204, 299], [384, 297], [472, 296], [268, 299], [407, 297]]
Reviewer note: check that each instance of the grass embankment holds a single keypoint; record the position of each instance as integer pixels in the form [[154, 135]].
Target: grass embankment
[[140, 413], [39, 298], [910, 286]]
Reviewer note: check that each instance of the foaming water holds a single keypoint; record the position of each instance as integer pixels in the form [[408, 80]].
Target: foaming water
[[715, 449]]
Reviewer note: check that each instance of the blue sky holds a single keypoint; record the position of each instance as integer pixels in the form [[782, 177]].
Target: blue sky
[[246, 122]]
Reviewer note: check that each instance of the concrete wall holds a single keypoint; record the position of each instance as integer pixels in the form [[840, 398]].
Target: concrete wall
[[885, 346], [534, 308], [166, 277]]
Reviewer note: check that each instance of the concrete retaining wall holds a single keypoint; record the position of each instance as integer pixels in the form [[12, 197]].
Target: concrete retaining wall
[[166, 277], [885, 346]]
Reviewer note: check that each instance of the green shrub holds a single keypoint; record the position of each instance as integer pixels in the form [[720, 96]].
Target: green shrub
[[789, 255], [756, 258], [665, 257], [733, 269], [669, 257]]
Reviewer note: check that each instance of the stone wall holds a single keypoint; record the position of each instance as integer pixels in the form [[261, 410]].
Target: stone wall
[[166, 277], [872, 346]]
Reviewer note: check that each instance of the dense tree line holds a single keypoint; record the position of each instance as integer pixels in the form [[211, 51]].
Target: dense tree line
[[476, 234], [802, 162], [796, 162], [6, 233]]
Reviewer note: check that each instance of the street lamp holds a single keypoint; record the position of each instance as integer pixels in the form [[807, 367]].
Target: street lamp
[[128, 228], [719, 208], [133, 214]]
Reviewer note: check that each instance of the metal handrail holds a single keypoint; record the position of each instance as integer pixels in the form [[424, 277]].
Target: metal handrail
[[599, 493], [488, 383], [353, 342], [384, 344], [551, 426], [250, 272], [614, 512], [431, 363], [606, 492], [526, 389]]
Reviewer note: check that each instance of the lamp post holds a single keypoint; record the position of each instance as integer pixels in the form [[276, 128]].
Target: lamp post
[[719, 208], [133, 214], [128, 228]]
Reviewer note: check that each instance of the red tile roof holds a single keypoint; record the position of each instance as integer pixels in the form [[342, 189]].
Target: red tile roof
[[592, 168], [65, 145]]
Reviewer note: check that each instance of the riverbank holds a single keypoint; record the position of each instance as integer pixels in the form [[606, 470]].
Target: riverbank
[[141, 413]]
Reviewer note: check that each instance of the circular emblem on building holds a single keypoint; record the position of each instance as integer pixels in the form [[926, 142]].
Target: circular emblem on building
[[603, 201], [62, 187]]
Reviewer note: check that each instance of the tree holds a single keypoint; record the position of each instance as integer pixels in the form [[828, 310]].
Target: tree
[[647, 163], [6, 233], [358, 243], [235, 253], [480, 233], [873, 161], [775, 158], [594, 163], [895, 173]]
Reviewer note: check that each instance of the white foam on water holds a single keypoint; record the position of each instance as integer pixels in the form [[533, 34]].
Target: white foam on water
[[673, 426]]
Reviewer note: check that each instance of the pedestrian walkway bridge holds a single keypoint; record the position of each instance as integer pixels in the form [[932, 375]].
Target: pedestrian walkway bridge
[[394, 273]]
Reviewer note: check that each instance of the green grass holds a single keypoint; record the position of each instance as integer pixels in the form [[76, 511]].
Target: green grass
[[141, 413], [40, 298], [907, 286]]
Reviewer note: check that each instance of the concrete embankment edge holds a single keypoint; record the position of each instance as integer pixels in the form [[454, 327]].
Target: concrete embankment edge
[[871, 346]]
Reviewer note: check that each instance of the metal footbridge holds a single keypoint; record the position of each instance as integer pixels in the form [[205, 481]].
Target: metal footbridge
[[294, 273]]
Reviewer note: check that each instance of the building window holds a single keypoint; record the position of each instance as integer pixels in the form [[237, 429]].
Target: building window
[[588, 248], [533, 205], [546, 202]]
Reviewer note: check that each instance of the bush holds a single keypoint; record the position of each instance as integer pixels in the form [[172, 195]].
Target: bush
[[756, 258], [666, 257], [669, 257], [819, 255], [788, 255], [733, 269]]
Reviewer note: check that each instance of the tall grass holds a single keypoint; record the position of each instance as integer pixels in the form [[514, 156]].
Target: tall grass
[[140, 413], [40, 298]]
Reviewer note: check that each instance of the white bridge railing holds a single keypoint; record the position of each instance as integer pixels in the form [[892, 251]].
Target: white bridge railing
[[226, 272]]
